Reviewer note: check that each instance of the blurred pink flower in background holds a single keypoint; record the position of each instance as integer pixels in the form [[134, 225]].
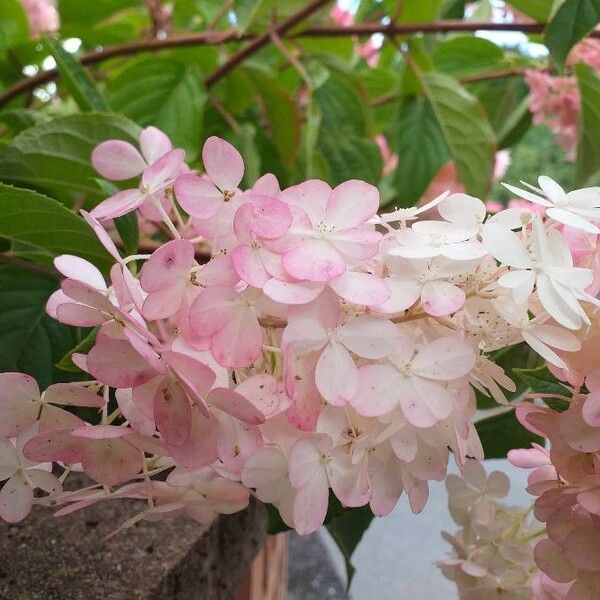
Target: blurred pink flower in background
[[369, 52], [390, 159], [42, 16], [341, 16]]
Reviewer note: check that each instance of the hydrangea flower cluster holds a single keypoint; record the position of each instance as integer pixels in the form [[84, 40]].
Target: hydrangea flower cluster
[[565, 479], [555, 100], [492, 553], [319, 348]]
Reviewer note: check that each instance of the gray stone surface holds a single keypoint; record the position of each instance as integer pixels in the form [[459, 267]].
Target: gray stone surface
[[46, 558]]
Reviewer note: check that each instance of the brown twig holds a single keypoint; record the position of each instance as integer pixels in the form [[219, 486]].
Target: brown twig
[[27, 265], [263, 40], [214, 38]]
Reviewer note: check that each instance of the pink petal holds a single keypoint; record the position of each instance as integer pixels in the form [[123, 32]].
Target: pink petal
[[361, 288], [172, 413], [264, 392], [16, 499], [591, 409], [404, 293], [240, 342], [440, 298], [118, 205], [164, 170], [336, 375], [305, 458], [200, 449], [167, 266], [377, 393], [310, 504], [117, 364], [80, 269], [19, 396], [248, 265], [272, 218], [359, 244], [444, 359], [424, 403], [350, 482], [154, 143], [102, 235], [52, 418], [236, 405], [314, 260], [223, 163], [287, 292], [51, 446], [117, 160], [70, 394], [310, 196], [212, 309], [197, 196], [351, 204], [111, 461], [79, 315], [581, 548], [369, 337], [164, 303]]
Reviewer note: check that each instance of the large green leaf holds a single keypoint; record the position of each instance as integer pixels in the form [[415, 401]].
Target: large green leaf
[[39, 221], [571, 23], [164, 93], [502, 433], [588, 147], [54, 157], [422, 150], [466, 129], [413, 11], [541, 380], [30, 341], [13, 24], [351, 157], [75, 77]]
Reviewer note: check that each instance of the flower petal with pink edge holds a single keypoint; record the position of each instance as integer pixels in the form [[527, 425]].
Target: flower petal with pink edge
[[314, 260], [272, 218], [581, 548], [154, 143], [349, 482], [80, 269], [69, 394], [197, 196], [200, 449], [440, 298], [163, 170], [249, 266], [444, 359], [19, 403], [336, 375], [223, 163], [351, 204], [310, 196], [424, 403], [102, 235], [51, 446], [291, 292], [306, 458], [117, 160], [361, 288], [212, 309], [310, 503]]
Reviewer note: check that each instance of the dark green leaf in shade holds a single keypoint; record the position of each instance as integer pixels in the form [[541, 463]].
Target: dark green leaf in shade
[[31, 341], [84, 346], [502, 433], [588, 147]]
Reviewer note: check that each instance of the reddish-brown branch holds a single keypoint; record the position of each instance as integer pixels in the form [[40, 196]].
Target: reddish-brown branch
[[213, 38]]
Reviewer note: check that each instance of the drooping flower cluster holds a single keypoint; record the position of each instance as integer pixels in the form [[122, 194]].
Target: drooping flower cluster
[[555, 100], [492, 553], [320, 348], [566, 481]]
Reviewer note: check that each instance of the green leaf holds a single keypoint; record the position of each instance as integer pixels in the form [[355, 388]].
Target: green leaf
[[467, 55], [588, 147], [275, 524], [13, 24], [127, 227], [418, 128], [571, 23], [246, 11], [164, 93], [502, 433], [414, 11], [31, 341], [347, 529], [540, 10], [54, 157], [351, 157], [282, 115], [30, 218], [19, 119], [466, 130], [75, 77], [84, 346], [541, 380]]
